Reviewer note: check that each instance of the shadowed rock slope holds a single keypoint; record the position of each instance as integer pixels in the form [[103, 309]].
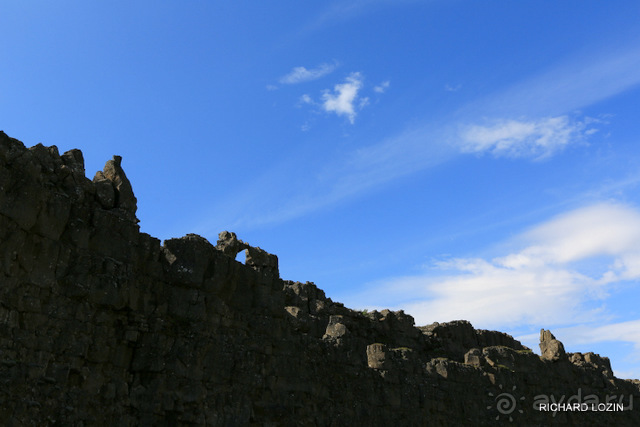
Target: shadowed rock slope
[[100, 324]]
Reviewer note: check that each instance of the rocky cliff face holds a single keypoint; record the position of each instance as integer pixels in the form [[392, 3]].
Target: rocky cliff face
[[100, 324]]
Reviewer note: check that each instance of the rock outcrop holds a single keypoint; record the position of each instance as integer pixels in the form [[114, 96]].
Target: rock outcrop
[[100, 324], [550, 348]]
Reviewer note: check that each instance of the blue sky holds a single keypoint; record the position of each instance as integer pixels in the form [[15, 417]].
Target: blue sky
[[456, 159]]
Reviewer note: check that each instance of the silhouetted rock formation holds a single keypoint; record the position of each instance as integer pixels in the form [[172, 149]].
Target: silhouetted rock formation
[[102, 325], [550, 348]]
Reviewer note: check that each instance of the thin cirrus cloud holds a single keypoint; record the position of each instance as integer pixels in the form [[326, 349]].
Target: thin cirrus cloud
[[538, 138], [562, 273], [302, 74], [345, 10], [578, 82], [357, 172]]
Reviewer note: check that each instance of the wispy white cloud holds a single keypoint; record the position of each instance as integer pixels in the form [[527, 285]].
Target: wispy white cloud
[[382, 87], [539, 138], [546, 282], [344, 97], [492, 295], [602, 229], [344, 10], [578, 82], [355, 173], [450, 88], [302, 74], [306, 99], [368, 168]]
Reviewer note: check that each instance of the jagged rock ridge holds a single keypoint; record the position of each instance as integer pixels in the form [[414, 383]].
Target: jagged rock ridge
[[100, 324]]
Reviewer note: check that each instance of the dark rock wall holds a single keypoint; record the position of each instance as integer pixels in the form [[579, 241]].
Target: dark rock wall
[[102, 325]]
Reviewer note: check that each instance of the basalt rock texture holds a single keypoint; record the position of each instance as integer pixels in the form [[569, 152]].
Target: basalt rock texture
[[101, 324]]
